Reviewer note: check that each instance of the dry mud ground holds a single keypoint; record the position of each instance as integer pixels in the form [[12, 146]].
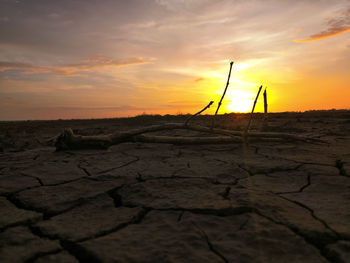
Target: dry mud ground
[[142, 202]]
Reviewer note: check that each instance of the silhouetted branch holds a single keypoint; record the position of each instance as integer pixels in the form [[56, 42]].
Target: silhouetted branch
[[265, 103], [251, 114], [199, 112], [223, 95], [264, 125]]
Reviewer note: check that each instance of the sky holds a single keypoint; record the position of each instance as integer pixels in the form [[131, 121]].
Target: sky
[[102, 59]]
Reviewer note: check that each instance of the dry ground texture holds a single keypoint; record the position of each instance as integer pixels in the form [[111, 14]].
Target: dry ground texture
[[144, 202]]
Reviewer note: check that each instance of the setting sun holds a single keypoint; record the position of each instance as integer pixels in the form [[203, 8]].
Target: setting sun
[[239, 101]]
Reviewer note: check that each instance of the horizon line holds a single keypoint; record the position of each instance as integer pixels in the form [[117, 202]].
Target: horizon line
[[163, 115]]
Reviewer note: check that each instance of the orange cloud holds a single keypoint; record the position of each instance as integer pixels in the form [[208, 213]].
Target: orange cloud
[[4, 65], [90, 64], [336, 27], [199, 79]]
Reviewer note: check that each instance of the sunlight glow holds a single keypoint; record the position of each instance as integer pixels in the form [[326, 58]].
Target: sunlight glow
[[239, 101], [240, 66], [241, 91]]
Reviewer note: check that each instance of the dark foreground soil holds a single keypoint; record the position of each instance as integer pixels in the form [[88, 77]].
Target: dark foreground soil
[[144, 202]]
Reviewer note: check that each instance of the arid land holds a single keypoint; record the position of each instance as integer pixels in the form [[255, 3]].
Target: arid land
[[267, 201]]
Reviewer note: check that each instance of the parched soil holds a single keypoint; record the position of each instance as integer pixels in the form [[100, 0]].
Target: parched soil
[[142, 202]]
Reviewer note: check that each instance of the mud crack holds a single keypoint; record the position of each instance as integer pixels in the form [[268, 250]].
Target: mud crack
[[308, 183], [210, 245]]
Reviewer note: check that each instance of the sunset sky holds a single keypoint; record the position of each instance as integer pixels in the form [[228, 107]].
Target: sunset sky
[[92, 59]]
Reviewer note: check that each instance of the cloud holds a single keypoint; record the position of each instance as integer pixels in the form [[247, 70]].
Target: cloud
[[91, 64], [336, 26], [171, 5], [4, 65], [100, 62]]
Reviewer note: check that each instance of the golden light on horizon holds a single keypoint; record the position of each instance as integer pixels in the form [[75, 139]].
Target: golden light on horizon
[[242, 89]]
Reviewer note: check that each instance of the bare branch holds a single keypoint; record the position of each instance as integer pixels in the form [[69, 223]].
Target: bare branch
[[223, 95], [251, 114], [199, 112], [69, 140], [186, 140], [265, 102], [265, 123]]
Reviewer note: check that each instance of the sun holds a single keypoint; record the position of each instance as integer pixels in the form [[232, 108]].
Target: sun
[[239, 101], [239, 106]]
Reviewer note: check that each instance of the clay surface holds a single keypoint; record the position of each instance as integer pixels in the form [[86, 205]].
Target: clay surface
[[279, 201]]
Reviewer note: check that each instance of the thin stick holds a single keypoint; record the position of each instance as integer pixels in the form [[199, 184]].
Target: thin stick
[[223, 95], [265, 103], [251, 114], [265, 109], [199, 112]]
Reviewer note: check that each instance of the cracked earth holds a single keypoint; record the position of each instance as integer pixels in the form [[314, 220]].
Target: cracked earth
[[143, 202]]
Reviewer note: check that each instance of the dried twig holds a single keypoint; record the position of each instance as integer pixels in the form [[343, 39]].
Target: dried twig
[[251, 114], [69, 140], [265, 103], [186, 140], [264, 125], [223, 95], [199, 112]]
